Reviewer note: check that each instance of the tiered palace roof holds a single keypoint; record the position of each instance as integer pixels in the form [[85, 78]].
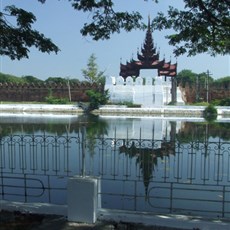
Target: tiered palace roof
[[148, 59]]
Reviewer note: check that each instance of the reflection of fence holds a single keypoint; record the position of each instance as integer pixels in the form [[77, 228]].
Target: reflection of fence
[[138, 174]]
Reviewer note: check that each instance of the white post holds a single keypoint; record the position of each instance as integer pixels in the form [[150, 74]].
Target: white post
[[82, 199]]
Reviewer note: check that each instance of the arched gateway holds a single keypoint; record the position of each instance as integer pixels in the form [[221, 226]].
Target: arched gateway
[[148, 58]]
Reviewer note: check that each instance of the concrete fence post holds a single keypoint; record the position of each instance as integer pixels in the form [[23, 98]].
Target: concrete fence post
[[82, 199]]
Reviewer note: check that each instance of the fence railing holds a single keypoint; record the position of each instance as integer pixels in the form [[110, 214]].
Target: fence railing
[[136, 174]]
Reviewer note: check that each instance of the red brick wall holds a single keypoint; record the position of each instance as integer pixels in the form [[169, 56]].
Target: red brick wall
[[215, 92], [38, 92]]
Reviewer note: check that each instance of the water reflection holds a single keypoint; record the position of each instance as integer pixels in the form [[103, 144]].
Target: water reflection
[[97, 126], [53, 125], [203, 131], [145, 164]]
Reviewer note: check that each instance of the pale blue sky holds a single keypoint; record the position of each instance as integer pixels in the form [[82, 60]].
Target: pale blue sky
[[60, 22]]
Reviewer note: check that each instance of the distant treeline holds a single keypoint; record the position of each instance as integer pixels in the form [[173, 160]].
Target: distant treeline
[[187, 77], [184, 77], [7, 78]]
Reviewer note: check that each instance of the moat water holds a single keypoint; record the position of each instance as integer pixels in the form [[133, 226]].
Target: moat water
[[159, 165]]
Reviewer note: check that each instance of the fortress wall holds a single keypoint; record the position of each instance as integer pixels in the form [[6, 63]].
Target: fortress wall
[[38, 92], [215, 92]]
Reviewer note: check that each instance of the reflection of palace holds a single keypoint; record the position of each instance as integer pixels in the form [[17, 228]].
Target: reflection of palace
[[145, 139], [160, 141], [147, 157], [148, 128]]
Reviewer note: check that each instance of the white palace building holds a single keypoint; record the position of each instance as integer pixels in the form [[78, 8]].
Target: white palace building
[[148, 91]]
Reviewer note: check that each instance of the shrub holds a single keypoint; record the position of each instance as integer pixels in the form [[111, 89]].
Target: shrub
[[210, 113], [97, 98], [225, 102], [54, 100], [221, 102]]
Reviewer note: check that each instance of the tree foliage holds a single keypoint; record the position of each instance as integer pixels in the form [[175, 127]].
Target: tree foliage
[[105, 21], [210, 113], [225, 102], [202, 26], [222, 82], [31, 79], [92, 73], [97, 98], [188, 77], [16, 39], [7, 78], [62, 80], [56, 80]]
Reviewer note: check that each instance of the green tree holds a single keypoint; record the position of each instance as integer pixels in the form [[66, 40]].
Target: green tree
[[203, 77], [202, 26], [210, 113], [74, 81], [7, 78], [96, 99], [225, 102], [91, 73], [186, 77], [31, 79], [16, 39], [56, 80], [222, 82], [105, 20], [94, 76]]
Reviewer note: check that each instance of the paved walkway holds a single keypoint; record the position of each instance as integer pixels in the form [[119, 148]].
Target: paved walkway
[[17, 220], [189, 111]]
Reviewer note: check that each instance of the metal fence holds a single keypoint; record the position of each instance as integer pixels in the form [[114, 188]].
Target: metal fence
[[167, 176]]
